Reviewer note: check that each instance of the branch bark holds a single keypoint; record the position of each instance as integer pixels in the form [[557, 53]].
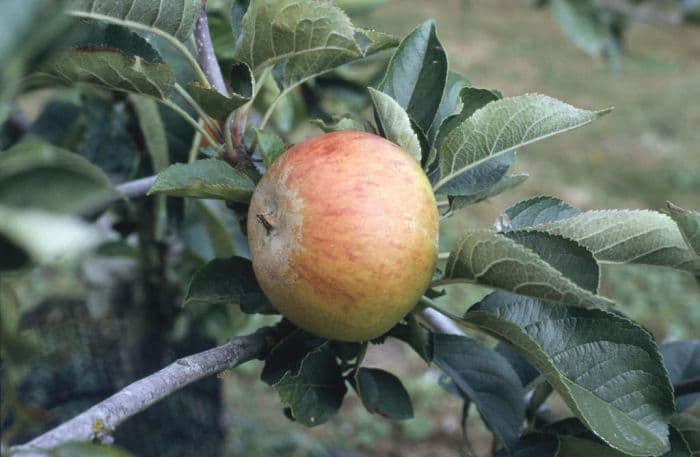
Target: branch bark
[[205, 52], [98, 422]]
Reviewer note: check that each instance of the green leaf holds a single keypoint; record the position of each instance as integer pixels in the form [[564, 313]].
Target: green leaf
[[570, 446], [606, 368], [153, 131], [417, 73], [506, 183], [494, 260], [581, 21], [448, 103], [108, 68], [228, 282], [23, 43], [316, 392], [487, 379], [126, 41], [175, 17], [76, 185], [43, 236], [216, 228], [370, 41], [535, 211], [382, 393], [682, 360], [689, 428], [213, 103], [526, 372], [343, 123], [82, 449], [287, 355], [628, 236], [303, 37], [533, 445], [395, 124], [270, 146], [567, 256], [500, 127], [242, 80], [470, 99], [208, 178], [689, 224]]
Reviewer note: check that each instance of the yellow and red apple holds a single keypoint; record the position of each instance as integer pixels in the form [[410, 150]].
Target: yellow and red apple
[[343, 233]]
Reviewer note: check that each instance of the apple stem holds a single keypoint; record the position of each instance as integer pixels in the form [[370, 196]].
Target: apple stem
[[265, 223]]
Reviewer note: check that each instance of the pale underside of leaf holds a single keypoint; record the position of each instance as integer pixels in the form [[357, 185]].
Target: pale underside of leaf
[[308, 36], [606, 367], [491, 259], [110, 69], [395, 123], [629, 236], [502, 126], [175, 17]]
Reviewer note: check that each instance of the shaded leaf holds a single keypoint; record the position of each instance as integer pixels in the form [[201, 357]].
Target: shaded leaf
[[371, 41], [500, 127], [570, 258], [343, 123], [108, 68], [448, 103], [213, 103], [228, 282], [153, 131], [605, 367], [208, 178], [533, 445], [175, 17], [287, 355], [77, 186], [581, 21], [303, 37], [628, 236], [682, 360], [126, 41], [316, 392], [487, 379], [43, 236], [689, 428], [82, 449], [416, 75], [394, 124], [506, 183], [270, 146], [526, 372], [689, 224], [492, 259], [535, 211], [382, 393], [214, 228]]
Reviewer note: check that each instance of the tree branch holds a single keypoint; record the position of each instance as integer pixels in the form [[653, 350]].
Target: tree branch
[[98, 422], [136, 188], [690, 386], [440, 323], [205, 52]]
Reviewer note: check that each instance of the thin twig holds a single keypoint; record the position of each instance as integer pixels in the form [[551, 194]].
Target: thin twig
[[190, 120], [205, 52], [136, 188], [195, 106], [98, 422]]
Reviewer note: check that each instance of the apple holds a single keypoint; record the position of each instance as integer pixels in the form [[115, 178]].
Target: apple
[[343, 232]]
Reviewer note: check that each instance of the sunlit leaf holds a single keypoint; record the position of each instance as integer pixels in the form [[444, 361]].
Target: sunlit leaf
[[394, 123]]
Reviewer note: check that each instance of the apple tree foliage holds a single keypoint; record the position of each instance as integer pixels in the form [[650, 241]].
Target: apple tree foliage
[[129, 101], [598, 27]]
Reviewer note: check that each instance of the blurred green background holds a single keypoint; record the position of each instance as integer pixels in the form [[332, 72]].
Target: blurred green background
[[644, 153]]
